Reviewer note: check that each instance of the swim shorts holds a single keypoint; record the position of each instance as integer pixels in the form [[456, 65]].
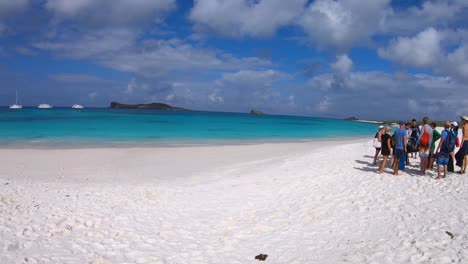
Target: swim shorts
[[442, 159], [399, 153], [424, 152]]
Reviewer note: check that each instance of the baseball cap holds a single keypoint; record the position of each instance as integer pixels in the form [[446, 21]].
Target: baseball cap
[[454, 123], [401, 123]]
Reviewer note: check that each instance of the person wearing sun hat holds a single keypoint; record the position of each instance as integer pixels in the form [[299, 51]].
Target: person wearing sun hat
[[464, 143]]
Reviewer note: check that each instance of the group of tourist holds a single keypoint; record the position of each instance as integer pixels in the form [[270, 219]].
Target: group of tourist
[[409, 140]]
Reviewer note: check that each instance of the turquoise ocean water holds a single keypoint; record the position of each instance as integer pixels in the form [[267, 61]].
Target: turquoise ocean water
[[96, 126]]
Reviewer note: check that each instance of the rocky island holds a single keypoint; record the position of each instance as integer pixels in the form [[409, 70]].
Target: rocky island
[[256, 112], [155, 106]]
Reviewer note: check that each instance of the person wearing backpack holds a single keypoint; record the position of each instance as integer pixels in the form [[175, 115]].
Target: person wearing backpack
[[424, 143], [435, 137], [446, 145], [415, 132]]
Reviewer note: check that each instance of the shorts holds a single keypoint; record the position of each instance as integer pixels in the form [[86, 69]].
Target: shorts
[[424, 152], [465, 147], [398, 153], [443, 159]]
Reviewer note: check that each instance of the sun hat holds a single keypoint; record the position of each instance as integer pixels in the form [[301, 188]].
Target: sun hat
[[454, 123], [464, 118]]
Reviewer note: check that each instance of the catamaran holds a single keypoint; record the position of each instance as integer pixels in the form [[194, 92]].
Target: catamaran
[[44, 106], [16, 105], [77, 106]]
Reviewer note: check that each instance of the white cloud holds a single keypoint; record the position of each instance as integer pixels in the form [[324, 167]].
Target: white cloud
[[156, 58], [343, 24], [436, 13], [258, 18], [382, 95], [94, 43], [343, 64], [122, 13], [456, 63], [423, 50]]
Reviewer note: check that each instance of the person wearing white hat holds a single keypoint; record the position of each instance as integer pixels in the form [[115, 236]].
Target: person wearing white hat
[[464, 143]]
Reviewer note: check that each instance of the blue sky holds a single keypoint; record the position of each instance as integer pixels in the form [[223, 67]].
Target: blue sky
[[366, 58]]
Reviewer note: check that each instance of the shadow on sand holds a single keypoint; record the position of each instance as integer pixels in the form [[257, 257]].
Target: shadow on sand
[[411, 169]]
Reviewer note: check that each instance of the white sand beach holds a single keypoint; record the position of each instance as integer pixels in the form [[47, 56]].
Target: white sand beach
[[313, 202]]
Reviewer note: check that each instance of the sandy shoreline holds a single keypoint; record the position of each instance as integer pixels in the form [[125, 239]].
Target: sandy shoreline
[[297, 202]]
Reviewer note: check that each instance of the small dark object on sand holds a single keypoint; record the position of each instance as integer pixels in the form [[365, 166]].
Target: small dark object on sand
[[261, 257], [449, 234]]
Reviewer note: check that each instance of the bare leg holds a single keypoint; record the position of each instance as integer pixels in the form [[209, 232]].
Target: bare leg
[[376, 156], [382, 165], [430, 165], [464, 165], [438, 172], [423, 165], [395, 167]]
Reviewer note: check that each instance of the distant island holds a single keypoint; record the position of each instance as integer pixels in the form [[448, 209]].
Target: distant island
[[256, 112], [155, 106]]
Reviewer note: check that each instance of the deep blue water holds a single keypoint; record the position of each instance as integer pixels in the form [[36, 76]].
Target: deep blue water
[[96, 126]]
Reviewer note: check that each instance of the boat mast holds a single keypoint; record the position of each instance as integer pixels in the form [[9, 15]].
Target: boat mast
[[16, 96]]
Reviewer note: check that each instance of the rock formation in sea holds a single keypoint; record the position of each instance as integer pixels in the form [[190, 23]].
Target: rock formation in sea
[[156, 106], [256, 112]]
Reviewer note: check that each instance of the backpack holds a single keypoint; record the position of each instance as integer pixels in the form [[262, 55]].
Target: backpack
[[449, 143], [424, 141]]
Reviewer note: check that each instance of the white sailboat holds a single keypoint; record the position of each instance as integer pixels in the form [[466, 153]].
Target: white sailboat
[[44, 106], [16, 105], [77, 106]]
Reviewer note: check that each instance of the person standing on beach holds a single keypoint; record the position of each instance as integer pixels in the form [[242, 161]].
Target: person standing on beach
[[443, 155], [424, 142], [378, 143], [386, 147], [435, 137], [452, 160], [409, 142], [415, 132], [464, 143], [401, 136]]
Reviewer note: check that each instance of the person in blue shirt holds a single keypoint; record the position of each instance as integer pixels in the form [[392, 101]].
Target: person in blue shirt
[[443, 155], [401, 137]]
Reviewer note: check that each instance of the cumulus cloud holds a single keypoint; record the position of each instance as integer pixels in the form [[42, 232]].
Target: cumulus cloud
[[436, 13], [245, 17], [162, 57], [422, 50], [343, 24], [456, 63], [382, 95], [343, 64]]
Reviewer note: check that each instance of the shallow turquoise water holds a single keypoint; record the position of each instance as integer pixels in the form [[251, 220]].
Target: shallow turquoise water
[[30, 126]]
